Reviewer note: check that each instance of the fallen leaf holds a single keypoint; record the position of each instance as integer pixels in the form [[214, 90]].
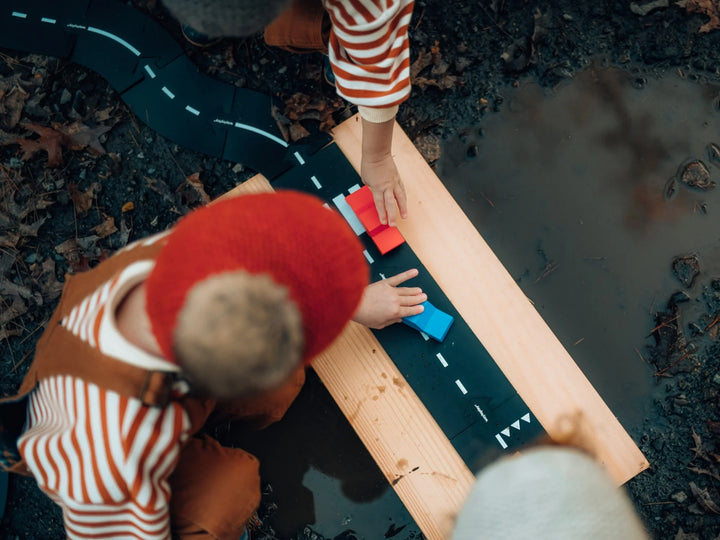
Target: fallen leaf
[[301, 107], [444, 83], [230, 57], [161, 188], [32, 229], [682, 535], [125, 231], [9, 240], [699, 450], [106, 228], [83, 200], [128, 206], [21, 210], [713, 427], [297, 132], [53, 139], [711, 8], [7, 138], [44, 275], [9, 332], [704, 499], [281, 121], [50, 141], [13, 311], [12, 102], [428, 145], [81, 252], [192, 191], [704, 471], [8, 288], [423, 60], [103, 114], [441, 79], [7, 260], [80, 136]]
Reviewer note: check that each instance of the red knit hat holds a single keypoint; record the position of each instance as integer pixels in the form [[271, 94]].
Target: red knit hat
[[288, 235]]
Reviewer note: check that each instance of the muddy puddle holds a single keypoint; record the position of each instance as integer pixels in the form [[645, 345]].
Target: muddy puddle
[[324, 482], [571, 189]]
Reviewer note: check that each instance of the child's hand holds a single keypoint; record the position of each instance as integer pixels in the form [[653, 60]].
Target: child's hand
[[384, 303], [384, 181]]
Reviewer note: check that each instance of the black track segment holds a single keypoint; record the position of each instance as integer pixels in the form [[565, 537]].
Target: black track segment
[[470, 413], [181, 104], [22, 26]]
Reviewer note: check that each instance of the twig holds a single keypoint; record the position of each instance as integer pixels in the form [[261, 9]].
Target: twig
[[713, 323], [10, 349], [184, 176], [20, 363], [579, 341], [675, 363], [422, 14], [75, 218], [659, 326], [550, 267], [639, 354], [487, 199], [10, 61], [704, 471], [495, 23], [659, 502], [38, 327]]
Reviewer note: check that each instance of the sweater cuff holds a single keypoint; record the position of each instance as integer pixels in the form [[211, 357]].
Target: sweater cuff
[[378, 115]]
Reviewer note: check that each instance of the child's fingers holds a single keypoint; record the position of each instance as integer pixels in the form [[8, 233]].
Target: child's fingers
[[390, 208], [410, 291], [413, 300], [397, 279], [407, 311], [401, 199], [379, 199]]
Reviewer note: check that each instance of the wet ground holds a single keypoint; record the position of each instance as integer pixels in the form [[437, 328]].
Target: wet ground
[[567, 181], [319, 477], [568, 187], [599, 197]]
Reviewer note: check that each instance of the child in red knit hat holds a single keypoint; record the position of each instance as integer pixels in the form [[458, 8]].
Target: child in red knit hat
[[222, 311]]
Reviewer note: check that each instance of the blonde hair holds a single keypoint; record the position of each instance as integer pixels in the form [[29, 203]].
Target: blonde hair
[[237, 334]]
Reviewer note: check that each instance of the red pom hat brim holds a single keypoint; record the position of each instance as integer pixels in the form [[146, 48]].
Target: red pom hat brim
[[288, 235]]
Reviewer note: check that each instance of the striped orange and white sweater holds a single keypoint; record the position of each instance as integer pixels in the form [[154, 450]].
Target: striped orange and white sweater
[[104, 457], [370, 54]]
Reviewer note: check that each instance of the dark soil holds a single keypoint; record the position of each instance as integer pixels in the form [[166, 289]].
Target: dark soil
[[62, 218]]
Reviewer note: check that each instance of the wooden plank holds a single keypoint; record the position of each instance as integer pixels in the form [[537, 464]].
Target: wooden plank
[[398, 431], [406, 443], [498, 312]]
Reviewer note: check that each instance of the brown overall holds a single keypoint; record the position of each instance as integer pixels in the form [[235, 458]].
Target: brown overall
[[303, 27]]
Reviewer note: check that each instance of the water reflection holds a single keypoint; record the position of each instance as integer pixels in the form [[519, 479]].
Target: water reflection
[[320, 473], [568, 188]]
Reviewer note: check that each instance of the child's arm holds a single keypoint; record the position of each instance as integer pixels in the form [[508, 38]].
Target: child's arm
[[384, 303], [369, 51]]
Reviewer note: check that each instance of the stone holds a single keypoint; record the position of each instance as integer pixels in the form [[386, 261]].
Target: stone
[[643, 8], [686, 269], [695, 174]]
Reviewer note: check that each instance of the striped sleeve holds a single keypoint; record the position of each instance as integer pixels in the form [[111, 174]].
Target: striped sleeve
[[369, 50], [104, 458]]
